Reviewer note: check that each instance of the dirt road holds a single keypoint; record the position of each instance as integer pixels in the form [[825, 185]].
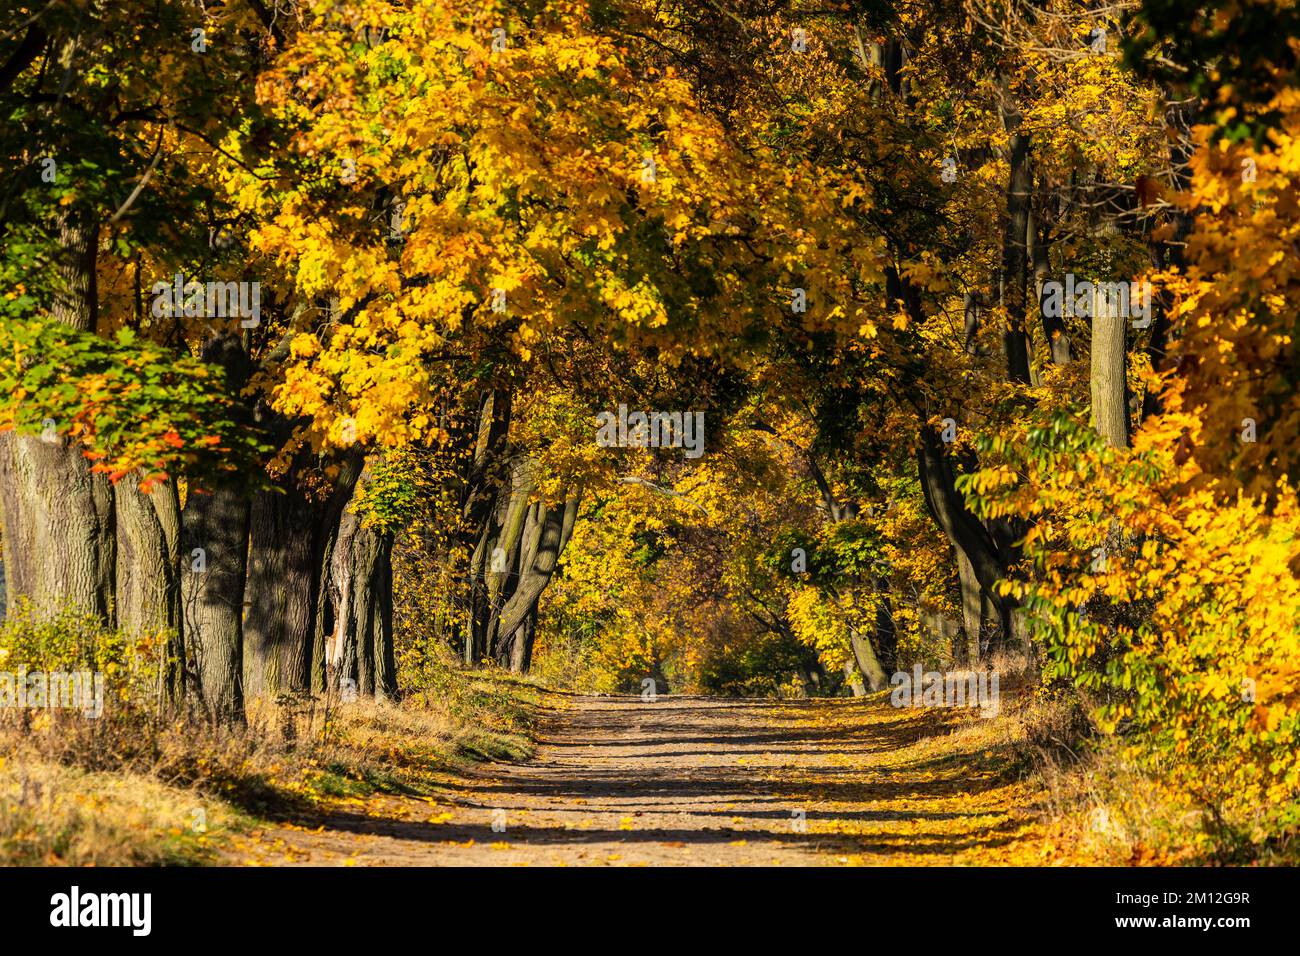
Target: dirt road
[[707, 781]]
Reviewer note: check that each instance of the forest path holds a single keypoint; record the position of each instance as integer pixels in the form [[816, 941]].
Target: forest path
[[706, 781]]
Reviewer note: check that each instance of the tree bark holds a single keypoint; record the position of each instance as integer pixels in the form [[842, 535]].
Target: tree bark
[[520, 644], [148, 557], [886, 633], [59, 546], [214, 541], [950, 512], [1054, 330], [965, 531], [555, 529], [327, 519], [517, 521], [515, 542], [867, 660], [1014, 257], [214, 565], [148, 573], [1107, 374], [76, 302], [362, 584], [850, 671], [487, 475], [971, 321], [974, 607], [58, 528], [282, 591]]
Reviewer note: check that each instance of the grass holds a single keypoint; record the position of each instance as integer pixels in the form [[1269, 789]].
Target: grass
[[1106, 809], [131, 790], [1098, 808], [52, 814]]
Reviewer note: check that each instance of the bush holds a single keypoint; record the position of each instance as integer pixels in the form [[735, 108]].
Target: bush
[[1174, 612]]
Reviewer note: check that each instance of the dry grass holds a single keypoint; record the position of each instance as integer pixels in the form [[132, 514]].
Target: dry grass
[[58, 815], [129, 788], [1099, 808], [1104, 808]]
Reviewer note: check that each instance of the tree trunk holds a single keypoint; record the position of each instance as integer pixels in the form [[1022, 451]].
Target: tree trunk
[[76, 301], [971, 321], [520, 643], [59, 546], [362, 584], [554, 532], [488, 474], [950, 512], [148, 557], [1054, 330], [988, 560], [515, 542], [282, 593], [974, 608], [850, 671], [886, 636], [1014, 256], [1107, 374], [327, 517], [868, 663], [148, 572], [58, 517], [214, 565], [479, 612], [516, 527], [214, 544]]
